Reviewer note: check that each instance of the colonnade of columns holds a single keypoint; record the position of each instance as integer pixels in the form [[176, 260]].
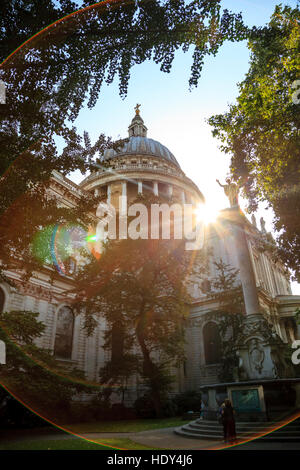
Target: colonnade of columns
[[155, 190]]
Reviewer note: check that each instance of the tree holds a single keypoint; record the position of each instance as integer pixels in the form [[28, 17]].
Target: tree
[[140, 287], [261, 131], [226, 288], [230, 315]]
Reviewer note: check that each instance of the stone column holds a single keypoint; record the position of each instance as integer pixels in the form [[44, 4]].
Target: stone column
[[124, 188], [96, 192], [170, 190], [123, 205], [245, 266], [155, 188], [108, 193], [183, 197], [140, 187], [212, 402], [123, 212]]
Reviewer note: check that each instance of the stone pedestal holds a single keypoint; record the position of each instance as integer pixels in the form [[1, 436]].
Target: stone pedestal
[[212, 402], [246, 271], [257, 347]]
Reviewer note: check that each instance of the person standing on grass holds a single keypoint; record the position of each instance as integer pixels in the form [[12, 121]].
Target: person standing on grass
[[228, 422]]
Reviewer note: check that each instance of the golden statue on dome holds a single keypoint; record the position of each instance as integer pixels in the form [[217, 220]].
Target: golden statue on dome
[[137, 109]]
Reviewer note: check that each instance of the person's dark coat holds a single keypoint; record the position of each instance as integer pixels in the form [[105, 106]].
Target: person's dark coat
[[228, 423]]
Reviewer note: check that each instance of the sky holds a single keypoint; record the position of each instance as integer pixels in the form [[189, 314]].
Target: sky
[[177, 117]]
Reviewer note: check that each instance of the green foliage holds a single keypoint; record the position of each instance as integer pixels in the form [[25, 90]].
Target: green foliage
[[118, 372], [144, 407], [32, 373], [230, 326], [50, 78], [22, 326], [188, 401], [261, 131], [128, 425], [229, 317], [67, 444], [73, 443], [226, 289]]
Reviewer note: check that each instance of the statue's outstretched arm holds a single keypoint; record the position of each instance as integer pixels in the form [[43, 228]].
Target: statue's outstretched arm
[[222, 185]]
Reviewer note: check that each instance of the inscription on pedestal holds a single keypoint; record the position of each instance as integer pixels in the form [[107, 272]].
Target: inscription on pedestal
[[246, 400]]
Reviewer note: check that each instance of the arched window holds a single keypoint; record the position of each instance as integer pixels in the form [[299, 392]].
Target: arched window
[[212, 343], [2, 300], [64, 333]]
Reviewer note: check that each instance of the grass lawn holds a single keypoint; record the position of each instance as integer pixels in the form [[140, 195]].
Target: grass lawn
[[39, 443], [72, 444], [125, 425]]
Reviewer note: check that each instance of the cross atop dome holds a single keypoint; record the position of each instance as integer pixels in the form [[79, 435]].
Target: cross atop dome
[[137, 127]]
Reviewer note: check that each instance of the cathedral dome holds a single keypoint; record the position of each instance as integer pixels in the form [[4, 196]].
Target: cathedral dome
[[139, 144]]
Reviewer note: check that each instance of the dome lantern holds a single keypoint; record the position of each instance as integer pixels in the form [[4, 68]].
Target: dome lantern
[[137, 127], [139, 144]]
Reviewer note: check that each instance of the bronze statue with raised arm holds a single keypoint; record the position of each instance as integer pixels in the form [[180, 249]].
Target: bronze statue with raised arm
[[232, 191]]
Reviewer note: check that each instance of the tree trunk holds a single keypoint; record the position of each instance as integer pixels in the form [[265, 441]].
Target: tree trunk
[[150, 371]]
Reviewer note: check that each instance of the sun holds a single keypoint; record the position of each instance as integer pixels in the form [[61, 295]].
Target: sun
[[206, 213]]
